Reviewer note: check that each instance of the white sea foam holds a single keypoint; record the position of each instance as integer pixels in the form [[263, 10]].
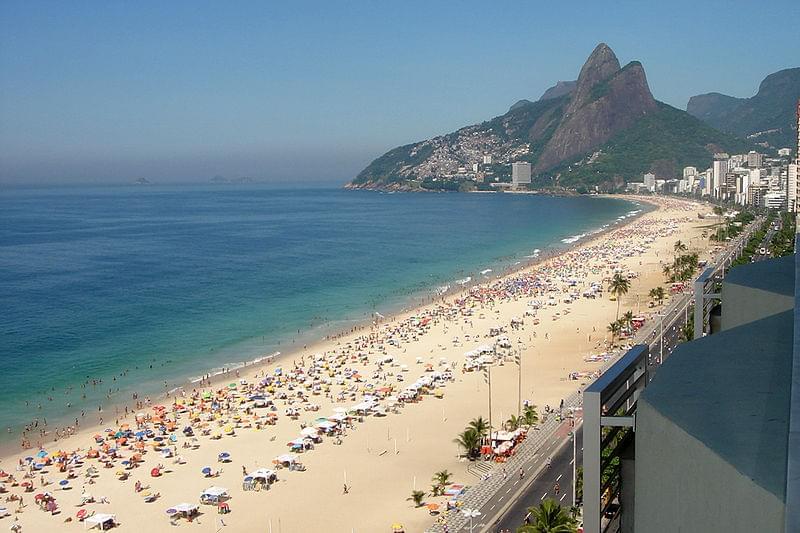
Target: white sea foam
[[574, 238]]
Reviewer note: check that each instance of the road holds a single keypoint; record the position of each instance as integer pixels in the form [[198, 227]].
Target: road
[[758, 256], [543, 486]]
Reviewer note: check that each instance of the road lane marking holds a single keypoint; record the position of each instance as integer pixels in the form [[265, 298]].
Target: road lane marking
[[562, 497], [509, 490], [492, 507], [571, 461], [543, 495], [559, 477]]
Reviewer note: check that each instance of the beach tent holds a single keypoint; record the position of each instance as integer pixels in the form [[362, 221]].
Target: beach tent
[[263, 474], [101, 520], [214, 495], [185, 508]]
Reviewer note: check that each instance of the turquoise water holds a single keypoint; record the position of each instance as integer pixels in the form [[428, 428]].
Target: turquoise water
[[138, 286]]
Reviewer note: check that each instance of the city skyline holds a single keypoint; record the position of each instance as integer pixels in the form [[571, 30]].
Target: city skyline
[[185, 92]]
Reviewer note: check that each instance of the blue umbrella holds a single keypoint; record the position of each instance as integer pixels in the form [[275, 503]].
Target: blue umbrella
[[206, 470], [41, 453], [63, 482]]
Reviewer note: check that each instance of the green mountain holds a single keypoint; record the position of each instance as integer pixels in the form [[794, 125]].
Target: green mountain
[[601, 130], [768, 118]]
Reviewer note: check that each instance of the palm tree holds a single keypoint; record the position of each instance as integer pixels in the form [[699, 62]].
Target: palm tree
[[513, 423], [654, 293], [480, 426], [627, 319], [659, 295], [667, 270], [469, 440], [614, 329], [619, 285], [550, 517], [441, 479], [679, 247], [417, 496], [529, 415]]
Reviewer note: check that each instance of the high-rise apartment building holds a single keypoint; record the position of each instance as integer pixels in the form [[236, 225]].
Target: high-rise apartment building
[[520, 173], [754, 159]]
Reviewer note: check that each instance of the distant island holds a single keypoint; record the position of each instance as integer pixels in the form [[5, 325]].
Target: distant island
[[593, 134]]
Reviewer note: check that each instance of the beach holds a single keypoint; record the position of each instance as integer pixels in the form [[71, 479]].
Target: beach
[[399, 437]]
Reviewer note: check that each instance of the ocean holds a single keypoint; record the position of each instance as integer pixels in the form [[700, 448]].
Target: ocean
[[141, 287]]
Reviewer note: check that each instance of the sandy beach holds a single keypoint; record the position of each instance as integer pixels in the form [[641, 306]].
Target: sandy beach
[[379, 407]]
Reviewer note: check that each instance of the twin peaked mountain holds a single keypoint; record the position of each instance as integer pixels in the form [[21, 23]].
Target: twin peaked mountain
[[601, 130]]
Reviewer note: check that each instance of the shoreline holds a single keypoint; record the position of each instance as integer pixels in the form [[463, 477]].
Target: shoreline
[[310, 342], [426, 446]]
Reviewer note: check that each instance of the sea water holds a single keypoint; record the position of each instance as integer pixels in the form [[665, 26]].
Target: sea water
[[107, 291]]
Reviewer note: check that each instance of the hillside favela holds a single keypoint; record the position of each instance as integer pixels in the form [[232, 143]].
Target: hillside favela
[[405, 268]]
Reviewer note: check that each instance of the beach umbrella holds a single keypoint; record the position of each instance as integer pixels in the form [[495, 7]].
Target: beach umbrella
[[224, 456], [81, 514], [64, 482], [171, 511], [41, 453], [206, 471]]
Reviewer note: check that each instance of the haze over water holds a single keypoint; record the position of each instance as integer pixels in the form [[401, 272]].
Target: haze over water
[[170, 282]]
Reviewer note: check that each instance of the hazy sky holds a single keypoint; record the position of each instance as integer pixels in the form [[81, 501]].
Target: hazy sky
[[175, 91]]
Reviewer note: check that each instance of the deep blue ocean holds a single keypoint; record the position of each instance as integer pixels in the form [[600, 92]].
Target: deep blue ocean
[[169, 282]]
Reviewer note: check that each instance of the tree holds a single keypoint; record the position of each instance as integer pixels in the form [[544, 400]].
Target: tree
[[513, 423], [469, 440], [659, 295], [619, 286], [667, 270], [627, 320], [550, 517], [480, 426], [417, 496], [614, 329], [441, 479], [529, 415], [679, 247]]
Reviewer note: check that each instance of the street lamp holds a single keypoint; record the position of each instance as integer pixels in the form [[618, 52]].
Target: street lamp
[[471, 513]]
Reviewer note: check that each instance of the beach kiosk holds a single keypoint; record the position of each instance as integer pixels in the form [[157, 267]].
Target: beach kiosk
[[214, 495], [101, 521]]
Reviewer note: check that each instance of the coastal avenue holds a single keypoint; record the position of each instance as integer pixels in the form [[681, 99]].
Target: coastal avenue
[[502, 509]]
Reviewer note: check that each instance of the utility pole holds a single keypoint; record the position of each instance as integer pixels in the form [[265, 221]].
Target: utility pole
[[518, 360]]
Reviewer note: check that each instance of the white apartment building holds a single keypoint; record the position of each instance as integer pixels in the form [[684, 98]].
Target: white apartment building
[[718, 170], [650, 182], [520, 173]]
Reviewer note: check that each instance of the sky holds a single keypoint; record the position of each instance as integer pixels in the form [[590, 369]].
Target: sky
[[294, 91]]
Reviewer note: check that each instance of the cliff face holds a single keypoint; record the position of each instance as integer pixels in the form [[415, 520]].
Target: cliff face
[[767, 118], [606, 100]]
